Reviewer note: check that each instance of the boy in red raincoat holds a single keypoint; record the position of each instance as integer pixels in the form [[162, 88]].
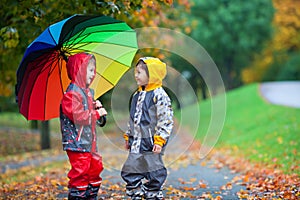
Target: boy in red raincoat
[[79, 113]]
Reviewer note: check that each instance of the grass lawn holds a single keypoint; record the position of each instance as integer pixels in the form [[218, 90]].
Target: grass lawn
[[16, 120], [256, 129], [17, 137]]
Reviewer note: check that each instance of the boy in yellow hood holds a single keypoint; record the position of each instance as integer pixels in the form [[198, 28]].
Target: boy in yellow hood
[[149, 128]]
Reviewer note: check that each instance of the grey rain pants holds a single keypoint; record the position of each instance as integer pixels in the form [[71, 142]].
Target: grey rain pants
[[147, 165]]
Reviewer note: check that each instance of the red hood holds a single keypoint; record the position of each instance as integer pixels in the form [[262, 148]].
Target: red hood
[[77, 68]]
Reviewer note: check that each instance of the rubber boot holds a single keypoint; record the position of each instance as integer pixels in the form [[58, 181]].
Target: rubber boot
[[135, 194], [154, 195], [75, 194], [92, 192]]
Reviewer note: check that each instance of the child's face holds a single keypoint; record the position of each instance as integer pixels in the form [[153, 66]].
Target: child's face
[[90, 74], [141, 76]]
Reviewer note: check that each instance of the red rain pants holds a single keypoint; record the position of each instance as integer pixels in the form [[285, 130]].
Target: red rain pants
[[86, 169]]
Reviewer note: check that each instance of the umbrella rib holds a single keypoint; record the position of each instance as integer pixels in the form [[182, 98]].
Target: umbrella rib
[[106, 79], [40, 71], [86, 35], [113, 60], [84, 44], [43, 42], [54, 60], [51, 35], [60, 70], [107, 23], [102, 54], [87, 43], [108, 58], [73, 42], [45, 96]]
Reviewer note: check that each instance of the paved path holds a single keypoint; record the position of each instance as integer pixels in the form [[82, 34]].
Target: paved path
[[286, 93], [192, 178], [189, 177]]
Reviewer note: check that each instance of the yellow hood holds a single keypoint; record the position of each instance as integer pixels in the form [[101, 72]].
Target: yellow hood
[[157, 72]]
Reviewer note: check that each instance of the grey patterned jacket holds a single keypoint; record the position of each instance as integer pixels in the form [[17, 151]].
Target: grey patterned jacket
[[151, 120]]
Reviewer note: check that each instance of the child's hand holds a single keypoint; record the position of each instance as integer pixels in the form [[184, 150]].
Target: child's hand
[[97, 104], [126, 145], [156, 148], [102, 111]]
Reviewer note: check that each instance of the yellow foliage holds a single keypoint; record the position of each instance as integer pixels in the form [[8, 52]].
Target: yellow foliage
[[258, 67], [5, 90], [286, 37], [153, 13], [187, 30], [9, 36]]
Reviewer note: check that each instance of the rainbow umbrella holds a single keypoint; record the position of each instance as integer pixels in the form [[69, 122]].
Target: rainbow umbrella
[[42, 76]]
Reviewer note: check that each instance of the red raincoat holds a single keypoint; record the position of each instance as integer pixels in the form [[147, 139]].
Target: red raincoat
[[78, 126], [78, 116]]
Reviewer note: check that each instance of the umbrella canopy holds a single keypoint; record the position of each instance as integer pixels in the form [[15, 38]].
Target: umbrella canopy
[[42, 75]]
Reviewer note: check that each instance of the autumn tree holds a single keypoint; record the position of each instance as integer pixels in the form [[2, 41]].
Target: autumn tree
[[232, 32], [23, 21], [284, 47]]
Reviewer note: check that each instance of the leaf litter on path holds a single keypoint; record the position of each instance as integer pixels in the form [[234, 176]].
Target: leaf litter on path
[[219, 176]]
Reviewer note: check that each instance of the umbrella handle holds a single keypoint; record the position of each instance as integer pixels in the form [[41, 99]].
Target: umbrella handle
[[102, 121]]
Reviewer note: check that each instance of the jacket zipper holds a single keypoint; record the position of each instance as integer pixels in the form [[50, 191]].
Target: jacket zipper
[[80, 132]]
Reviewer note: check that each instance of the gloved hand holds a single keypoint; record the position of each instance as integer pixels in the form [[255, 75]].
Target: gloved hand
[[102, 112], [102, 121]]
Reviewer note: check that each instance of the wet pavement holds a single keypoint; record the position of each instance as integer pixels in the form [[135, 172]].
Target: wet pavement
[[286, 93], [189, 177]]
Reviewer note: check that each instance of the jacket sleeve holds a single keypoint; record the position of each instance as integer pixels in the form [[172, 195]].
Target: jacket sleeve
[[128, 131], [164, 117], [73, 108], [126, 134]]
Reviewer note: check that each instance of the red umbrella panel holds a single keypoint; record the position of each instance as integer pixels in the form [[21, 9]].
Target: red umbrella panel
[[42, 94]]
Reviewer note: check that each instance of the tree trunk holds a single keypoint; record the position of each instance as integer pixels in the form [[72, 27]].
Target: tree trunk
[[45, 135], [203, 91], [227, 74], [34, 124]]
